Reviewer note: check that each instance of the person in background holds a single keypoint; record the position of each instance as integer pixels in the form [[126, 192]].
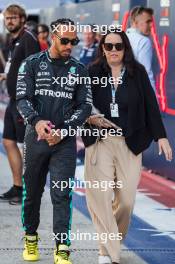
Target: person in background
[[131, 107], [2, 58], [2, 61], [43, 36], [89, 49], [32, 26], [23, 43], [139, 37], [98, 37], [6, 46], [2, 65]]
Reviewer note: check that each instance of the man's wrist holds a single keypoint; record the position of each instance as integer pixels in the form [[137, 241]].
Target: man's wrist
[[35, 120]]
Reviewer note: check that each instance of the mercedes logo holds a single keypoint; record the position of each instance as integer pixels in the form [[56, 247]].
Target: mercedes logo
[[43, 65]]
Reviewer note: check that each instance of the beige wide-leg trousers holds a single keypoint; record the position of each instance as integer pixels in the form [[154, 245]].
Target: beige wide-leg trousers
[[111, 160]]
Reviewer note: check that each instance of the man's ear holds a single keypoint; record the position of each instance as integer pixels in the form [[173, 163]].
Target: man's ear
[[135, 22], [23, 20]]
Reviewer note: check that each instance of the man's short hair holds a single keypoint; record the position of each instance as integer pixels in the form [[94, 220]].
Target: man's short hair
[[138, 10], [17, 10], [61, 21]]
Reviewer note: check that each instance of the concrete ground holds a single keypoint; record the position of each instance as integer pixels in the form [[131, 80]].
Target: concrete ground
[[11, 234]]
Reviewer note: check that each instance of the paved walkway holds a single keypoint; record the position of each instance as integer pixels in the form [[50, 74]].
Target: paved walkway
[[84, 252]]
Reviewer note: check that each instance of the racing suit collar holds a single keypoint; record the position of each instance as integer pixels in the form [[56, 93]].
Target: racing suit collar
[[59, 61]]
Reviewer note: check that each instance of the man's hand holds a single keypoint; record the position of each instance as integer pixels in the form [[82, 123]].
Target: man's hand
[[54, 137], [3, 77], [43, 128]]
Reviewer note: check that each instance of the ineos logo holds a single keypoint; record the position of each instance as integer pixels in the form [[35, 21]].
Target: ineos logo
[[43, 65]]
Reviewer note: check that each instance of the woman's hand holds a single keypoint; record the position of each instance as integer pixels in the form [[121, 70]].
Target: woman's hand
[[99, 121], [164, 147]]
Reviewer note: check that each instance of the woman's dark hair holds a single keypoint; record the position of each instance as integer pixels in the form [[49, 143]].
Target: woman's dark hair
[[44, 28], [128, 59]]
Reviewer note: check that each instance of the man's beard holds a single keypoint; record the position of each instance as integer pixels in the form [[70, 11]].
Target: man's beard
[[65, 57], [14, 30]]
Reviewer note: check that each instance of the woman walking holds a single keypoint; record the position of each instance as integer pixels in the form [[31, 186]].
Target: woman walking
[[132, 107]]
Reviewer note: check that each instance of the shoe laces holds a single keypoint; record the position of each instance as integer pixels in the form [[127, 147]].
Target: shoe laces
[[63, 254], [31, 245]]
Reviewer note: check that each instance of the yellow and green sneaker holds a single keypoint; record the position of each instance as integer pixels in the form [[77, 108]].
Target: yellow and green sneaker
[[30, 252], [61, 255]]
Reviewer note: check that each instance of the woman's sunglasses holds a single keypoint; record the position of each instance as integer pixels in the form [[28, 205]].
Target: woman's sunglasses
[[109, 46], [65, 41]]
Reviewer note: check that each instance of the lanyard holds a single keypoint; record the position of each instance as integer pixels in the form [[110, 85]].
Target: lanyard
[[113, 89], [10, 56]]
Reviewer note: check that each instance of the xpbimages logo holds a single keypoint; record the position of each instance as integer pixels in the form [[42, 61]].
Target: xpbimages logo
[[79, 236], [80, 28], [76, 79], [102, 133], [73, 184]]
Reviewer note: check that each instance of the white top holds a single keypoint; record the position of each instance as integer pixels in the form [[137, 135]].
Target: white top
[[143, 50]]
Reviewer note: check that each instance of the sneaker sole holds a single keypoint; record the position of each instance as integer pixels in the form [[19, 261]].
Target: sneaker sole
[[31, 260], [15, 203], [4, 200]]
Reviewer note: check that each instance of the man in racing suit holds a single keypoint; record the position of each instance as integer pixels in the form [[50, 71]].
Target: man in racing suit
[[45, 103]]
